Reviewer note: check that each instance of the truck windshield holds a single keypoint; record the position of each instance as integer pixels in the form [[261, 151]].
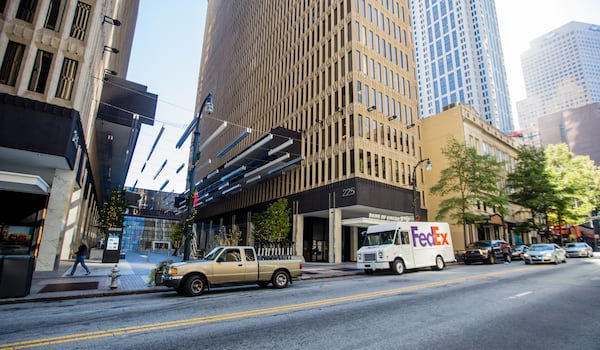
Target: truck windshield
[[378, 238], [213, 253]]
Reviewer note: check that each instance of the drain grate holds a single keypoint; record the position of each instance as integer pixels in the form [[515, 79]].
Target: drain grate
[[65, 287]]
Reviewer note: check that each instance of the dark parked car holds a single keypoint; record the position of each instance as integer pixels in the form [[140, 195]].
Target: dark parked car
[[484, 251]]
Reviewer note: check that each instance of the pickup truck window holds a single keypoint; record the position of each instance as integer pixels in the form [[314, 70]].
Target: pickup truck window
[[213, 253], [249, 254], [231, 255]]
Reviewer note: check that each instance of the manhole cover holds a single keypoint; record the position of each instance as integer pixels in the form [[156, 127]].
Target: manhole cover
[[64, 287]]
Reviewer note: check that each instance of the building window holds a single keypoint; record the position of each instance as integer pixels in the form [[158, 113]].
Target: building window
[[11, 63], [80, 21], [67, 79], [40, 71], [56, 10], [26, 10]]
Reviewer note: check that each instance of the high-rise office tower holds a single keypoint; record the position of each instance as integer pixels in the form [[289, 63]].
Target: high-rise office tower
[[459, 59], [328, 89], [561, 70]]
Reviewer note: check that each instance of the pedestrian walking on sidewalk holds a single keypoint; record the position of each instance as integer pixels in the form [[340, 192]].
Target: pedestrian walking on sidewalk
[[506, 253], [82, 253]]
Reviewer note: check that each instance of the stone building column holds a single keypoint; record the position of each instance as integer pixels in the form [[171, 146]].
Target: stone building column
[[55, 224], [298, 234], [335, 235]]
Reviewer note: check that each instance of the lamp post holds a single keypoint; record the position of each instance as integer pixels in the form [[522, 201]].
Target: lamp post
[[194, 157], [414, 184]]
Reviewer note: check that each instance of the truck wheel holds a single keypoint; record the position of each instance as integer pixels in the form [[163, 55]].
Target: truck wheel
[[439, 263], [369, 271], [194, 286], [280, 279], [398, 266]]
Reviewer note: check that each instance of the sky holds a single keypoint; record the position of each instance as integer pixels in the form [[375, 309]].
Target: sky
[[166, 56]]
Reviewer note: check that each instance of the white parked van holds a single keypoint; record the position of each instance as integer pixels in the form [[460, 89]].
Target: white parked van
[[405, 245]]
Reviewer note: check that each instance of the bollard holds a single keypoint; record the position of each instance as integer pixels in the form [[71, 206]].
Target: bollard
[[114, 276]]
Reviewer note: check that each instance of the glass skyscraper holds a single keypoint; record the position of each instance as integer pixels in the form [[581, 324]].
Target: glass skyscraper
[[459, 59]]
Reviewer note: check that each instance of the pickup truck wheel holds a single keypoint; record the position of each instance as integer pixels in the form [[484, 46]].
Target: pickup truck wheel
[[280, 279], [194, 286], [398, 266], [439, 263]]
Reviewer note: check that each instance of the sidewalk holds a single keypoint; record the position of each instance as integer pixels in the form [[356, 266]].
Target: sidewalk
[[135, 271]]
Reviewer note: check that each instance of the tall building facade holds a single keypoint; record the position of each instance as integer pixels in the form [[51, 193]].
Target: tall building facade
[[577, 127], [68, 121], [459, 59], [561, 71], [324, 95]]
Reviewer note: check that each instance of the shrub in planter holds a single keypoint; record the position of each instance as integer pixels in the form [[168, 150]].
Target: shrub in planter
[[156, 273]]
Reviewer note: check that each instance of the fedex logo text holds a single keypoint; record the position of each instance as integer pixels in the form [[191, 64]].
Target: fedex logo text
[[430, 239]]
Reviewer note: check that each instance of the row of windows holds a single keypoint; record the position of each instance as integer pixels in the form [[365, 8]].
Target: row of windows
[[15, 52], [385, 135], [11, 64]]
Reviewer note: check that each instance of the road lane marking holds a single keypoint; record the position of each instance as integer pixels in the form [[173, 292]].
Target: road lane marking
[[520, 295], [242, 314]]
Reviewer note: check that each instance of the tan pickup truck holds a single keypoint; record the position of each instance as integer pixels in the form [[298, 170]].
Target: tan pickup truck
[[230, 265]]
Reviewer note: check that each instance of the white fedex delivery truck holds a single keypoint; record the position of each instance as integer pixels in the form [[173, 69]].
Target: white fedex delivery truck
[[405, 245]]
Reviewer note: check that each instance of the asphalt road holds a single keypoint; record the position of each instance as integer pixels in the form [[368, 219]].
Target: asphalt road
[[513, 306]]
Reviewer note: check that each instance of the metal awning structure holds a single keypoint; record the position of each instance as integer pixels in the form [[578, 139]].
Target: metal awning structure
[[272, 155]]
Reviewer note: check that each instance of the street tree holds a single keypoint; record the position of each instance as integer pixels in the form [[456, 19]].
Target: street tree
[[177, 236], [574, 180], [529, 185], [113, 213], [273, 224], [470, 178]]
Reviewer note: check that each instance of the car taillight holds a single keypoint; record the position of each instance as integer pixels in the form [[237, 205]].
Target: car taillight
[[300, 266]]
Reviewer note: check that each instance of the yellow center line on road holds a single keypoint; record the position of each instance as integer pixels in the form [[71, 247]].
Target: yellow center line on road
[[242, 314]]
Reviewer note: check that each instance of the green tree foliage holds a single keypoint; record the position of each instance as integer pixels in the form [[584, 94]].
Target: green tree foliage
[[529, 185], [574, 180], [112, 214], [470, 178], [273, 224], [177, 235]]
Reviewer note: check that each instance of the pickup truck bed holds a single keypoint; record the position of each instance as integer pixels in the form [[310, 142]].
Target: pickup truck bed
[[231, 265]]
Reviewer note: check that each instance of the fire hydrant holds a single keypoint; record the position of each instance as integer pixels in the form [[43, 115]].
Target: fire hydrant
[[114, 276]]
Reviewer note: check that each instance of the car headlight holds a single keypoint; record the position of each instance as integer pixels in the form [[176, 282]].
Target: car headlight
[[172, 271], [359, 256], [547, 255], [526, 255], [380, 254]]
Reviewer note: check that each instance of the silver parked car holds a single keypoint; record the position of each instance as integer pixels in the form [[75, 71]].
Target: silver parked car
[[579, 250], [545, 253]]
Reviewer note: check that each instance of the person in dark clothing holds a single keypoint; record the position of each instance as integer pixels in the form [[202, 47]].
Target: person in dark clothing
[[506, 253], [82, 253]]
